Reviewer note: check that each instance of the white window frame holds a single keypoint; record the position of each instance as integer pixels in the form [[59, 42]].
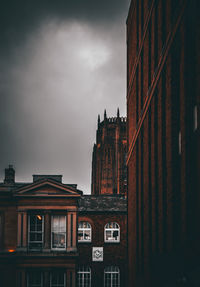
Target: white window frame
[[115, 227], [29, 232], [83, 270], [35, 285], [83, 230], [57, 248], [58, 285], [111, 270]]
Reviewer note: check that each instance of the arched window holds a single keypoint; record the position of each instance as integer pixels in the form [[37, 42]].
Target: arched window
[[112, 232], [84, 232], [84, 276], [111, 276]]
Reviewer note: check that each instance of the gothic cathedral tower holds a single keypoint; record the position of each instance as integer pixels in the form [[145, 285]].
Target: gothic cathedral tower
[[109, 157]]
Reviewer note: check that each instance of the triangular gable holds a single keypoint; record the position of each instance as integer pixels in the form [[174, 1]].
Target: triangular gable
[[47, 187]]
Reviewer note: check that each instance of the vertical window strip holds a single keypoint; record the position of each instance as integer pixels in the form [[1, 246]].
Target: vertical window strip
[[179, 143], [195, 118], [36, 231]]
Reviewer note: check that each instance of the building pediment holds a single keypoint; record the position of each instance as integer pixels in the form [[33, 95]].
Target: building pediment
[[48, 188]]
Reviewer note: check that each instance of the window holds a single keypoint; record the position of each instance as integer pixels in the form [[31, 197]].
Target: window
[[36, 231], [34, 279], [57, 279], [195, 118], [111, 276], [84, 276], [179, 143], [112, 232], [58, 232], [84, 232]]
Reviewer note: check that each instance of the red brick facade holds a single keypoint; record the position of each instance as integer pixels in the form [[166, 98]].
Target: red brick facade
[[114, 253], [40, 234], [109, 157], [45, 198], [163, 140]]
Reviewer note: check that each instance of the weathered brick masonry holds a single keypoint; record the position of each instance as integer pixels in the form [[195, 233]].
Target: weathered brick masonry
[[163, 140], [109, 157]]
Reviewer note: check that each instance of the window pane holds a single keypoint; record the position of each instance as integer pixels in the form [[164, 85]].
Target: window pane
[[84, 276], [35, 231], [112, 232], [62, 224], [111, 276], [84, 231], [58, 232]]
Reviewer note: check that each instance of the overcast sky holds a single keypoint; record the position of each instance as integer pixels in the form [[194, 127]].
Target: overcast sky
[[62, 63]]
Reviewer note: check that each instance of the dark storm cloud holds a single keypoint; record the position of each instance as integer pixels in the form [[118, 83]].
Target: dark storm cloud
[[62, 63], [17, 18]]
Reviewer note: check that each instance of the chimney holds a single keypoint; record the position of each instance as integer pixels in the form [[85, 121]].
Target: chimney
[[9, 174]]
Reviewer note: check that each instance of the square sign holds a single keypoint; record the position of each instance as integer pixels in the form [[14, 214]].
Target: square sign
[[97, 254]]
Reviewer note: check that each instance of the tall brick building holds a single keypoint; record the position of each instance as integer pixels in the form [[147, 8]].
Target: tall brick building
[[109, 156], [163, 95]]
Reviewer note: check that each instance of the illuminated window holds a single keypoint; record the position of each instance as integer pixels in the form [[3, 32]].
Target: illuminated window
[[58, 232], [84, 276], [34, 279], [112, 232], [111, 276], [57, 279], [36, 231], [84, 232]]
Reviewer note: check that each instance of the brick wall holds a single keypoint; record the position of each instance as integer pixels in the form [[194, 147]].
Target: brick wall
[[163, 170]]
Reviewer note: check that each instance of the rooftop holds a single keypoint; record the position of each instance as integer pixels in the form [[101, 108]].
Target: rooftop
[[113, 203]]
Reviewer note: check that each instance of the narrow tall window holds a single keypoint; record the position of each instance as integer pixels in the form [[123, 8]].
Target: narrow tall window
[[111, 276], [34, 279], [84, 232], [112, 232], [57, 279], [84, 276], [195, 118], [179, 143], [58, 232], [36, 231]]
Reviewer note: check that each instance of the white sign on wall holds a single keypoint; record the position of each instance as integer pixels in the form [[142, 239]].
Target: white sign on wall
[[97, 254]]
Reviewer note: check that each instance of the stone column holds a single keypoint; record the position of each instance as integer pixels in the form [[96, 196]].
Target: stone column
[[71, 278], [25, 230], [71, 231], [22, 231], [47, 232], [19, 230]]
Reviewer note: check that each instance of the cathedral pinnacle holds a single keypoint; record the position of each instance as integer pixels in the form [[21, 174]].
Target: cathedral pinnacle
[[105, 116], [118, 112]]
